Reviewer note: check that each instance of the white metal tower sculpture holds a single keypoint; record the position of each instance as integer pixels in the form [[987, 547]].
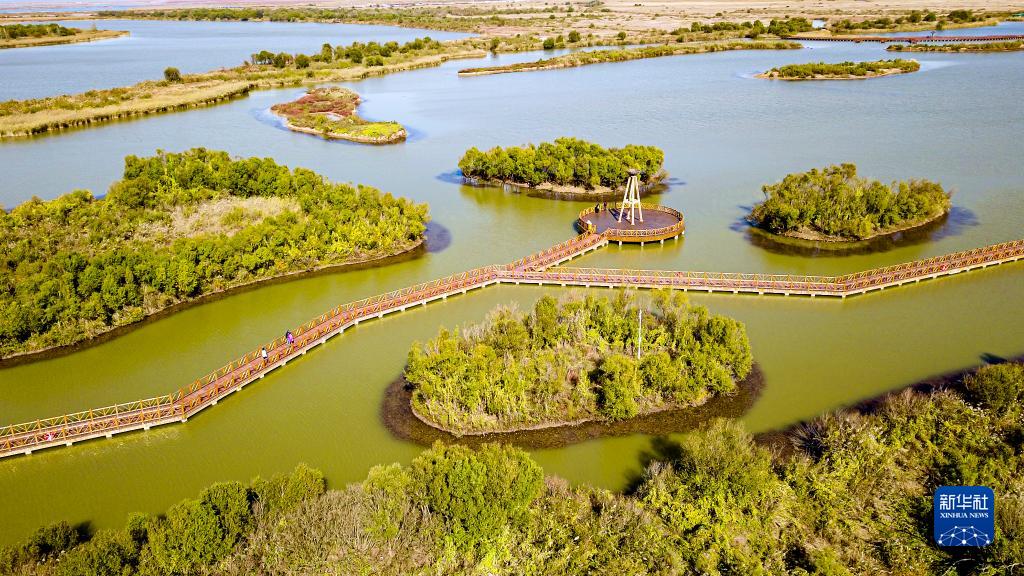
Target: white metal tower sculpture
[[631, 199]]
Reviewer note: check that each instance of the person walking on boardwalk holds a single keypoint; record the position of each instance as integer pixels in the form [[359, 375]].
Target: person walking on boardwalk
[[289, 337], [263, 354]]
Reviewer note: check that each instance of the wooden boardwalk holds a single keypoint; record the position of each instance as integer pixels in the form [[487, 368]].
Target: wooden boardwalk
[[534, 269]]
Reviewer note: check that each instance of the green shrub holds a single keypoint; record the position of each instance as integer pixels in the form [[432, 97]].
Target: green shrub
[[476, 493], [285, 492], [172, 74], [999, 387], [620, 387], [188, 538]]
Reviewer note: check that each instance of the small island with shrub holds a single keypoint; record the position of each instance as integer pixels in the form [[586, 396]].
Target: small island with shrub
[[175, 228], [331, 114], [833, 204], [28, 35], [568, 165], [841, 70], [574, 361]]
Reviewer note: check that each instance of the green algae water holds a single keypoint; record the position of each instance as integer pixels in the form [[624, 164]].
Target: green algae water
[[724, 133]]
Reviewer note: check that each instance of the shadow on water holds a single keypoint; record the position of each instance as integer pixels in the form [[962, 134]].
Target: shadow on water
[[438, 237], [469, 185], [952, 224], [397, 415]]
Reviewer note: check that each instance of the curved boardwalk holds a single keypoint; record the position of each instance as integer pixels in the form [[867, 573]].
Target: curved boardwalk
[[534, 269]]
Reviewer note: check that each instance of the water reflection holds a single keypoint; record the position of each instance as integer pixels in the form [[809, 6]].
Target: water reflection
[[952, 224]]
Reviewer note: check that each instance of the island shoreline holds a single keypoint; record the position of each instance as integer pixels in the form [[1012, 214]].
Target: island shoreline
[[418, 248], [92, 36], [397, 415], [841, 242], [653, 186]]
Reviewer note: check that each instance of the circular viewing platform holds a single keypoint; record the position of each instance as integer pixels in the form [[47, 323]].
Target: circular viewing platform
[[660, 223]]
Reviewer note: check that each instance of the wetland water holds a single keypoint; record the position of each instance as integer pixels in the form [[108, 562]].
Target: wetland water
[[155, 45], [724, 134]]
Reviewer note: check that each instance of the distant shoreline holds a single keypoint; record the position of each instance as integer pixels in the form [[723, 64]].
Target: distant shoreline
[[83, 36]]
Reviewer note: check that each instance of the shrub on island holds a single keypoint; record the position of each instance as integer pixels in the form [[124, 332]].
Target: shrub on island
[[567, 162], [331, 113], [834, 204], [176, 227], [574, 360], [842, 70], [15, 31]]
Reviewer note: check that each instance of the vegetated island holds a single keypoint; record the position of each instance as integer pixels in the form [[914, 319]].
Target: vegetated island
[[177, 227], [1008, 46], [835, 205], [331, 113], [28, 35], [623, 55], [715, 501], [841, 70], [574, 361], [567, 166]]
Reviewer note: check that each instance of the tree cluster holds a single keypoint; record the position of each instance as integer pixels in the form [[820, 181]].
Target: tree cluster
[[368, 53], [565, 162], [576, 360], [789, 27], [189, 538], [843, 69], [913, 18], [77, 265], [15, 31], [835, 202], [852, 495]]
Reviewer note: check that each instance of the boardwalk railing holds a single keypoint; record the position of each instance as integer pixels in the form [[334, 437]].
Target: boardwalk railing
[[208, 390], [839, 286], [633, 234]]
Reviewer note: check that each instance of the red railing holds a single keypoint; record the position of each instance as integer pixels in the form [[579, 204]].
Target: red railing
[[206, 391]]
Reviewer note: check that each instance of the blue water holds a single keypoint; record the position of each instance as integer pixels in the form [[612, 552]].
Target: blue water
[[155, 45]]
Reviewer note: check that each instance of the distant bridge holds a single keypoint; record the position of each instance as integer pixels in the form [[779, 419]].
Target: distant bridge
[[534, 269], [911, 39]]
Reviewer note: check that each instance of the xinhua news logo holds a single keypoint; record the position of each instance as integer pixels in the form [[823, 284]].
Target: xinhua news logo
[[964, 516]]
